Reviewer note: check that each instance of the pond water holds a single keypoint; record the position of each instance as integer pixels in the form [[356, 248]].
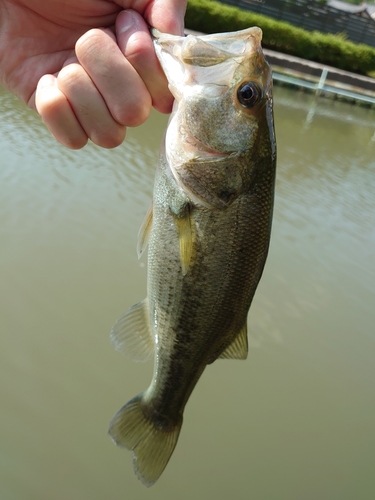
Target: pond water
[[295, 421]]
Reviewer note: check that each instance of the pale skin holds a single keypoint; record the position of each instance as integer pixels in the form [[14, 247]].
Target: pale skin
[[88, 67]]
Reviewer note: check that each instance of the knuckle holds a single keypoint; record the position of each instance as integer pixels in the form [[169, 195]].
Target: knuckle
[[76, 142], [163, 104], [69, 76], [139, 48], [110, 139], [134, 112], [91, 37], [90, 44]]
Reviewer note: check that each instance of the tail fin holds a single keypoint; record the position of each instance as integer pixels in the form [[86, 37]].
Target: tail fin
[[152, 446]]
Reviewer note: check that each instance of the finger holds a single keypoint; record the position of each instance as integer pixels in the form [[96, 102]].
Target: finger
[[57, 114], [167, 16], [123, 90], [134, 40], [89, 107]]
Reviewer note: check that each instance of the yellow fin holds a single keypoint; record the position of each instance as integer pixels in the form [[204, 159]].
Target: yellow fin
[[144, 232], [131, 334], [238, 349], [185, 236], [152, 446]]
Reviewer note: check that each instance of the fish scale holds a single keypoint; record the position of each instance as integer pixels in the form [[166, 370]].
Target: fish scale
[[208, 232]]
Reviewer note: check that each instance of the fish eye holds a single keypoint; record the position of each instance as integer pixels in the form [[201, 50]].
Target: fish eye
[[248, 94]]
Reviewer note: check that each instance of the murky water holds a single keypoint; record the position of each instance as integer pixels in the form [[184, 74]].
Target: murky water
[[296, 421]]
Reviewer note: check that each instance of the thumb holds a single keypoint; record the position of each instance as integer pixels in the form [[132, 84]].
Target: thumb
[[167, 16]]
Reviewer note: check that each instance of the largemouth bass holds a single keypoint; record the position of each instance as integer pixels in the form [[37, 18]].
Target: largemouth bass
[[208, 230]]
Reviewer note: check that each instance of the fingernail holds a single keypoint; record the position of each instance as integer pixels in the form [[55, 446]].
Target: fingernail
[[126, 20]]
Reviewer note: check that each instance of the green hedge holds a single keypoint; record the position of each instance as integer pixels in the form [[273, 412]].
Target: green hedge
[[209, 16]]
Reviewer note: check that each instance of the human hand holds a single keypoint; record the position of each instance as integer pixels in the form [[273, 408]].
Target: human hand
[[65, 59]]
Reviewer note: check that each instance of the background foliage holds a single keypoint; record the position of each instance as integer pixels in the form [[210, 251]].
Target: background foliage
[[209, 16]]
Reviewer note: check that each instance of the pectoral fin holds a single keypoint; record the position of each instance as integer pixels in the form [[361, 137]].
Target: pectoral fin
[[185, 236], [131, 334], [144, 232], [238, 349]]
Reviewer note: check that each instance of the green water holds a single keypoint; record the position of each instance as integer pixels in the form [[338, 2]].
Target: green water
[[296, 421]]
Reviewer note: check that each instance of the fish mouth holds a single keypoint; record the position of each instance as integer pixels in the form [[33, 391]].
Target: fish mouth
[[195, 147]]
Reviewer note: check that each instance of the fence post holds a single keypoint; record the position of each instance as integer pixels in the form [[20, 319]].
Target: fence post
[[322, 80]]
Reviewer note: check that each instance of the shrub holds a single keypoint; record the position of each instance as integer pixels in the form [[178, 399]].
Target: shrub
[[209, 16]]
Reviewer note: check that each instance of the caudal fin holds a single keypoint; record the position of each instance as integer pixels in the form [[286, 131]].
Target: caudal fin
[[152, 446]]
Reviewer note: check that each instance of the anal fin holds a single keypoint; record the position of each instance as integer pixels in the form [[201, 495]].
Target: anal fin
[[131, 334], [238, 349]]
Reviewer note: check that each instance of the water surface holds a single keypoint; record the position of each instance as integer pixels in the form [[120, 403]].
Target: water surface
[[295, 421]]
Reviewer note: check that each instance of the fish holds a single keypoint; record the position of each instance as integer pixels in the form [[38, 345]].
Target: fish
[[208, 232]]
